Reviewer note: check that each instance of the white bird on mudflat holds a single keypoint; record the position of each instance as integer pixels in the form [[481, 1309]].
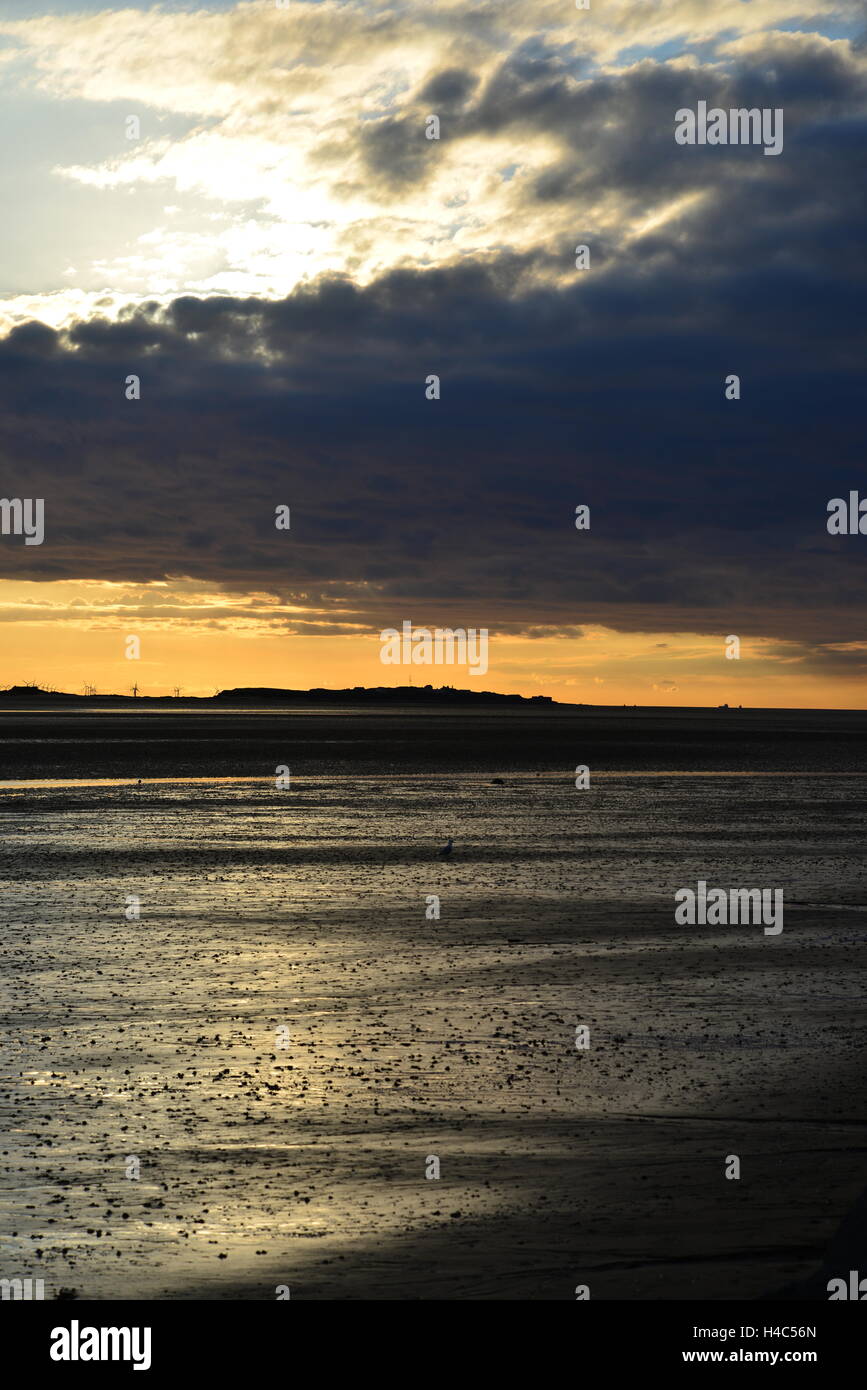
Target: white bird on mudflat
[[446, 849]]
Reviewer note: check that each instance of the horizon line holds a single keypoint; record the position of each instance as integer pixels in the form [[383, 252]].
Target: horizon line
[[35, 693]]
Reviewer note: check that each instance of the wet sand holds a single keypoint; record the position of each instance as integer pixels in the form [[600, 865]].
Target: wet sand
[[315, 742], [410, 1038]]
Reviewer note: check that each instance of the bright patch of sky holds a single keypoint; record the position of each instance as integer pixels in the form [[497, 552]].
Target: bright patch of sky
[[254, 169]]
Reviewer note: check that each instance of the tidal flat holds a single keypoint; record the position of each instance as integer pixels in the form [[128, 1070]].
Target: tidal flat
[[234, 1035]]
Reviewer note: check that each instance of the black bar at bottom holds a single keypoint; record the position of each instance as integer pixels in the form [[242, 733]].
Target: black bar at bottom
[[235, 1339]]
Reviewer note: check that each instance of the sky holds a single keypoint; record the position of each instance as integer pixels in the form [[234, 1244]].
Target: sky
[[238, 205]]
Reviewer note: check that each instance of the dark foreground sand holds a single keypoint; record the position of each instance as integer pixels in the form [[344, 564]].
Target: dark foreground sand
[[408, 1038]]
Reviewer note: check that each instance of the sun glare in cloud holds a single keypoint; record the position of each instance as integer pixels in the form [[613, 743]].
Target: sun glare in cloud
[[278, 176]]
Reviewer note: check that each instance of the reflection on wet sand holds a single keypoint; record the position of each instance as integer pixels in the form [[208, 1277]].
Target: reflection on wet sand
[[156, 1037]]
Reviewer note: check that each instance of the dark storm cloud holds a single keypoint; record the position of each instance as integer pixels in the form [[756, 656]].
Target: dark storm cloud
[[615, 131], [605, 389], [448, 89]]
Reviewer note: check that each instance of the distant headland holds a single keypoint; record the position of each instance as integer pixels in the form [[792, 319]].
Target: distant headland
[[269, 695]]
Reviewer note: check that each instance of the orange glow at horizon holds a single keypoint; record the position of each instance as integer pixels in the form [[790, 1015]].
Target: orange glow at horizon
[[68, 634]]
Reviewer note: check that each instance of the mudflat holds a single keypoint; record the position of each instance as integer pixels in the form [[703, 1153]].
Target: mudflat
[[235, 1033]]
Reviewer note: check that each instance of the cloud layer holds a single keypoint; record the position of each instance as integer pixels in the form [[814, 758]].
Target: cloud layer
[[294, 372]]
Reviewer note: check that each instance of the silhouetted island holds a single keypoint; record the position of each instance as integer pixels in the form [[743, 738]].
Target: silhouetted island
[[378, 694], [270, 695]]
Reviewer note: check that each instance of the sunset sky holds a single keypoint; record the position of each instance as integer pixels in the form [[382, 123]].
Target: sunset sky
[[283, 259]]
